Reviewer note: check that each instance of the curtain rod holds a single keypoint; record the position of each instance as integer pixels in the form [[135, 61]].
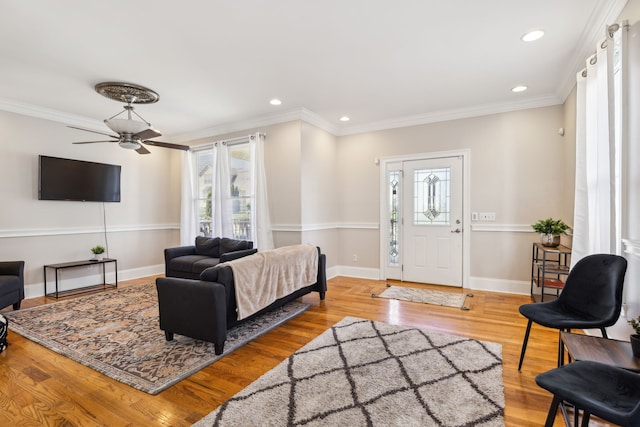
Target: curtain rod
[[227, 141]]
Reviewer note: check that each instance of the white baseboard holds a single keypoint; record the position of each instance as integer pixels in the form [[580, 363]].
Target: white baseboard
[[520, 287], [359, 272], [480, 283]]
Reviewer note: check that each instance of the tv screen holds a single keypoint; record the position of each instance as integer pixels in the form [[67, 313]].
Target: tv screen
[[67, 179]]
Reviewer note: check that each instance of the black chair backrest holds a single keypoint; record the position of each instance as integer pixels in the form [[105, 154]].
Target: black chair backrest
[[594, 287]]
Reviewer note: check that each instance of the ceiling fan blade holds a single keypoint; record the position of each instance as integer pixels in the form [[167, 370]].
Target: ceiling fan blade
[[94, 131], [142, 150], [93, 142], [167, 145], [147, 133]]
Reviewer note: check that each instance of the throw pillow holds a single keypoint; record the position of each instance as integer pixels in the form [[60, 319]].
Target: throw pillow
[[4, 327], [208, 246], [232, 245]]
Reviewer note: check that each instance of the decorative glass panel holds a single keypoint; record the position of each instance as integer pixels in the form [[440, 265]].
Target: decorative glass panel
[[394, 197], [431, 196]]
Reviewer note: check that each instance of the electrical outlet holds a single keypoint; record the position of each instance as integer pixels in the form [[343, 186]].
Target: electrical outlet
[[355, 258]]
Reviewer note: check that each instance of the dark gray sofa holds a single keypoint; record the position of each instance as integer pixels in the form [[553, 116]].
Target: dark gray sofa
[[189, 261], [11, 283], [204, 309]]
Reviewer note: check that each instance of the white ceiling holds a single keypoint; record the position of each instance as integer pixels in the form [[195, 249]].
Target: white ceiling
[[217, 63]]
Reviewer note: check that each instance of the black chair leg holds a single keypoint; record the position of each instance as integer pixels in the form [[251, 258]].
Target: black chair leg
[[524, 344], [585, 419], [551, 416], [604, 332]]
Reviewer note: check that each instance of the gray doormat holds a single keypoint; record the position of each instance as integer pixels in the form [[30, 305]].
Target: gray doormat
[[425, 296]]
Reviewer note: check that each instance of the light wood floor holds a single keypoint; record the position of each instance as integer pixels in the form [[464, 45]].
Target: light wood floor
[[40, 387]]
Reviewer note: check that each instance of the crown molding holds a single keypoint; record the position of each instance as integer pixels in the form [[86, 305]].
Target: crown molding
[[455, 114], [604, 14], [256, 122], [49, 114]]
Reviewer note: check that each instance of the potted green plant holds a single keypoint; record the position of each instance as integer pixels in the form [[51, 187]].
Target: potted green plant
[[98, 252], [550, 230], [635, 338]]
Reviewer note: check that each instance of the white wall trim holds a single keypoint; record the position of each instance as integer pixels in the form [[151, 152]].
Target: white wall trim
[[325, 226], [256, 122], [511, 228], [49, 114], [520, 287], [358, 272], [67, 231], [631, 247], [456, 114], [36, 232]]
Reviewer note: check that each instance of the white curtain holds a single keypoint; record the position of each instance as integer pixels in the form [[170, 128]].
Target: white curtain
[[594, 224], [222, 211], [188, 220], [260, 220]]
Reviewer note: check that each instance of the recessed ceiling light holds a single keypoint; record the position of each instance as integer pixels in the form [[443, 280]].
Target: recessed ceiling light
[[344, 119], [532, 36], [520, 88], [275, 101]]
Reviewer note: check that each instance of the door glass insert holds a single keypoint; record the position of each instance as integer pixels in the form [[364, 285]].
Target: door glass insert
[[432, 196], [394, 197]]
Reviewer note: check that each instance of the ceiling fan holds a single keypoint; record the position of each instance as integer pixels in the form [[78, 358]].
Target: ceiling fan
[[130, 133]]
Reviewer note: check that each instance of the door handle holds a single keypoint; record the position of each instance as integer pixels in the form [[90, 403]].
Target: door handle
[[457, 230]]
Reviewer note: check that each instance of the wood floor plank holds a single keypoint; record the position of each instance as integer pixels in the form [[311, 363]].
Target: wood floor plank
[[40, 387]]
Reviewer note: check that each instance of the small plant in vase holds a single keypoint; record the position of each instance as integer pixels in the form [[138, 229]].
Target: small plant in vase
[[98, 252], [550, 230], [635, 338]]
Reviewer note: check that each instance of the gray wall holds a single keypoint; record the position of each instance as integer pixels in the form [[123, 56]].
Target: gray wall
[[45, 232]]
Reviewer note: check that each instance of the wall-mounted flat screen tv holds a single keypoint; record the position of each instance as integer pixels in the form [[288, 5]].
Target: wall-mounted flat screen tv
[[67, 179]]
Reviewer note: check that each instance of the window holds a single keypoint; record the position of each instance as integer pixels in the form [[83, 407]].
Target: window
[[204, 187], [239, 183], [241, 194]]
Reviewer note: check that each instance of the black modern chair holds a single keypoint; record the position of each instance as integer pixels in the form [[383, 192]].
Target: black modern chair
[[11, 283], [591, 299], [608, 392]]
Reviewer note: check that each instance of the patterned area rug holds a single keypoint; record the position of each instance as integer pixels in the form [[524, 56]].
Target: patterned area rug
[[365, 373], [117, 333], [425, 296]]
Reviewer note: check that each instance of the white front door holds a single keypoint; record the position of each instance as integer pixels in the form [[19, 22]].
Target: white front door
[[432, 219]]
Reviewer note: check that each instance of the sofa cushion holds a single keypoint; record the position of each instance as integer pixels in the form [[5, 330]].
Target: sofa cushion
[[200, 266], [185, 263], [231, 245], [208, 246]]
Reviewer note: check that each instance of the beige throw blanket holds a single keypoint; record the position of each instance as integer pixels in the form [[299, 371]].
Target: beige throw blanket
[[264, 277]]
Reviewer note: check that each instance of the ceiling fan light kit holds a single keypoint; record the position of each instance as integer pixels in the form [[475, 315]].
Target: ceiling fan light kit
[[131, 134]]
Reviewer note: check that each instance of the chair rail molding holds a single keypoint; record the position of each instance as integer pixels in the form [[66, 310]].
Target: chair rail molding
[[631, 247], [38, 232]]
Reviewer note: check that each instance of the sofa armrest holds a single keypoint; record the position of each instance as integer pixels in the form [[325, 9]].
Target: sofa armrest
[[12, 268], [193, 308], [229, 256], [171, 253]]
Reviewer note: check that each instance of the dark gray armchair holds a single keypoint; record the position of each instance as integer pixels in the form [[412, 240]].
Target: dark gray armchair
[[11, 283]]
